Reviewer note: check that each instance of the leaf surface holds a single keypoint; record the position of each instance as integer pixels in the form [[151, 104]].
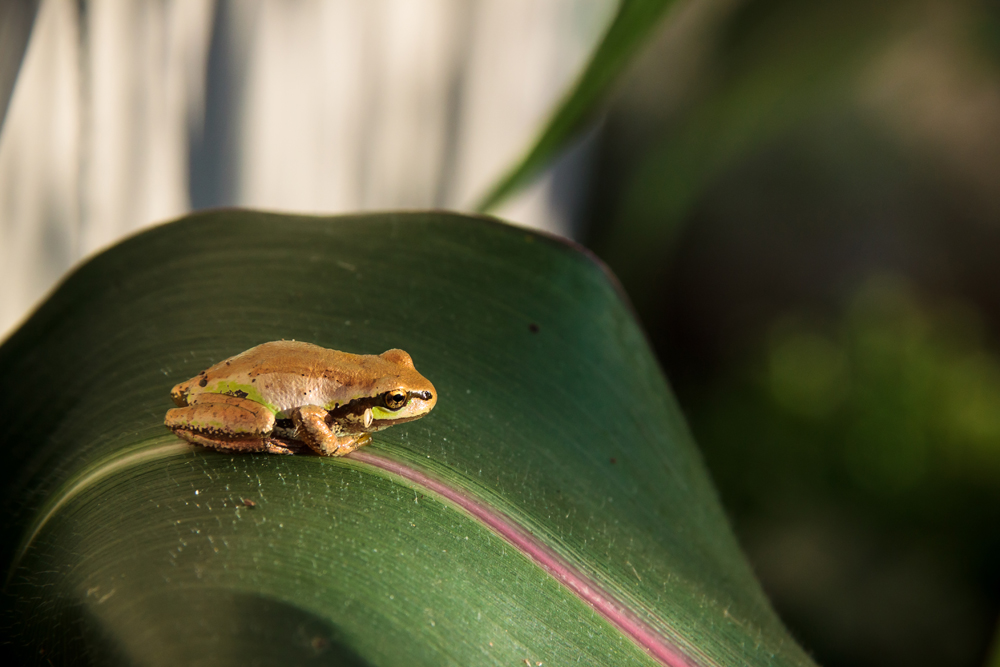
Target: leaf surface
[[126, 545]]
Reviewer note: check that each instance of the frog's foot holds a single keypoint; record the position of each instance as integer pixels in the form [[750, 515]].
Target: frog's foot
[[225, 422], [312, 429], [273, 446]]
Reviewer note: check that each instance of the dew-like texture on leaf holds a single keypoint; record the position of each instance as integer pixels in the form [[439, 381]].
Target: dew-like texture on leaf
[[132, 548]]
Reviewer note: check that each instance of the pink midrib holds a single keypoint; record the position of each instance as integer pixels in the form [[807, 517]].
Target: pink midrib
[[572, 578]]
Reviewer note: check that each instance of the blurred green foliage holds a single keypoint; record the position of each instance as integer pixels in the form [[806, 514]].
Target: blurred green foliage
[[894, 400], [772, 67], [994, 660], [863, 450]]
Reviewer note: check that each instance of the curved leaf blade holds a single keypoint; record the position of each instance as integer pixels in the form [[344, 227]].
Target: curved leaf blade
[[630, 27], [552, 414]]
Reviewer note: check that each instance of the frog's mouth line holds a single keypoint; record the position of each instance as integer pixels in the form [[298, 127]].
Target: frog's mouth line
[[386, 423], [355, 410], [376, 425]]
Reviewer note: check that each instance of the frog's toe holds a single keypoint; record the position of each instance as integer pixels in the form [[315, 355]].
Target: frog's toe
[[275, 447], [356, 443]]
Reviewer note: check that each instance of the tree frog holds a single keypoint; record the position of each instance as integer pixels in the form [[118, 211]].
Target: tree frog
[[277, 395]]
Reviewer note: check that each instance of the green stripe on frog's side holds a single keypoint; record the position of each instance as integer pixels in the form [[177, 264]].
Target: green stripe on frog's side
[[248, 391]]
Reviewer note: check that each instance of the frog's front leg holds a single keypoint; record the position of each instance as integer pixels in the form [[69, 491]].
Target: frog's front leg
[[312, 429], [225, 422]]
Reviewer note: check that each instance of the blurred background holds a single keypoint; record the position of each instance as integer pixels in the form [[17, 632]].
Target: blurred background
[[125, 115], [799, 196]]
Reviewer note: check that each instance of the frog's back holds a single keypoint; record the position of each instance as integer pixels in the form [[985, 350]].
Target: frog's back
[[286, 374], [286, 356]]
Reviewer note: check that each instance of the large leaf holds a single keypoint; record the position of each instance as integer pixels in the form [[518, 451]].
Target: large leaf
[[630, 28], [551, 509]]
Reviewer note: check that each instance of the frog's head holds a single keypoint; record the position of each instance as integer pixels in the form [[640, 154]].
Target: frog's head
[[402, 393]]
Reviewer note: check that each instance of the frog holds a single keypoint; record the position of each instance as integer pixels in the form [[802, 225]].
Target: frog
[[287, 397]]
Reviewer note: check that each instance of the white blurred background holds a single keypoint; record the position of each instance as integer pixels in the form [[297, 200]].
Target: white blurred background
[[126, 114]]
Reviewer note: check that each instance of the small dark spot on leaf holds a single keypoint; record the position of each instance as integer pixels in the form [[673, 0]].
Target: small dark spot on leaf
[[533, 328], [202, 382], [613, 461], [320, 643], [239, 393], [227, 363], [249, 503], [253, 380]]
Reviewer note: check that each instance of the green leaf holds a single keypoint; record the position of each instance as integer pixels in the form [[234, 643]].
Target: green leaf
[[552, 509], [628, 31]]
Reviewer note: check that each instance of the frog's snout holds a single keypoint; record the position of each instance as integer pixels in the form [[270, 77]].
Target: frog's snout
[[180, 393], [422, 401]]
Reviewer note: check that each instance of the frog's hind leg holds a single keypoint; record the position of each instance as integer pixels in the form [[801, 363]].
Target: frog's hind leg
[[312, 429], [226, 422], [268, 445]]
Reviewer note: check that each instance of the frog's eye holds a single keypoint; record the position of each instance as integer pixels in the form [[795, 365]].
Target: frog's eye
[[394, 400]]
